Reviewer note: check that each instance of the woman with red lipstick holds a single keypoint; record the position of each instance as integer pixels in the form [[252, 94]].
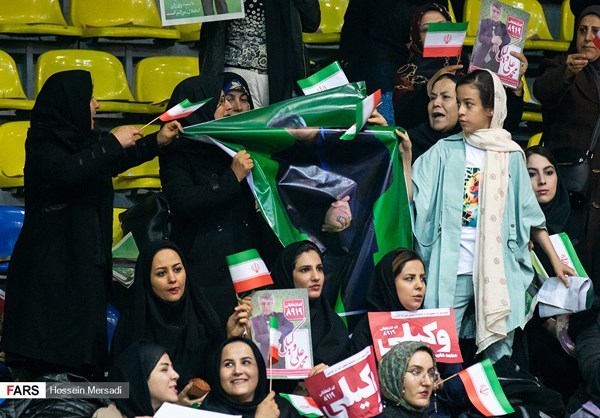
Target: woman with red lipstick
[[152, 381], [569, 91], [481, 259], [398, 284], [298, 266], [166, 312], [407, 376], [238, 379]]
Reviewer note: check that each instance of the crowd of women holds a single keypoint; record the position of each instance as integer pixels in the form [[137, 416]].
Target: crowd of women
[[480, 205]]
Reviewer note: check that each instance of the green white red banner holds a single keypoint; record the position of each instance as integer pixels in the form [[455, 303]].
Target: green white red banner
[[444, 39], [484, 389], [248, 271]]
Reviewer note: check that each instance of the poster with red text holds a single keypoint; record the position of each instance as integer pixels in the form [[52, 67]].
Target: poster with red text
[[281, 318], [349, 388], [434, 327]]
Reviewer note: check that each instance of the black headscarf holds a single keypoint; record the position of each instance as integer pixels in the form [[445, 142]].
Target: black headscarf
[[415, 45], [134, 366], [329, 335], [557, 210], [189, 328], [218, 401], [202, 87], [63, 108], [381, 294]]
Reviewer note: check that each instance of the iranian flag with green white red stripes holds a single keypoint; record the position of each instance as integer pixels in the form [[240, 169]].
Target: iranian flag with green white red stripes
[[305, 405], [248, 271], [444, 39], [484, 389]]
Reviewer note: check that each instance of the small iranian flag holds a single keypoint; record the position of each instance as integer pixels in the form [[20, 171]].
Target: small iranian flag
[[565, 251], [182, 110], [248, 271], [484, 390], [444, 39], [597, 40], [364, 109], [325, 79], [274, 335], [305, 405]]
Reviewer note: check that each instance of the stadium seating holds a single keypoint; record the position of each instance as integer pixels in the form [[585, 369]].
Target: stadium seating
[[35, 17], [189, 32], [12, 157], [117, 234], [532, 111], [11, 222], [110, 84], [534, 140], [156, 77], [332, 19], [538, 35], [119, 19], [567, 21], [144, 176], [12, 95]]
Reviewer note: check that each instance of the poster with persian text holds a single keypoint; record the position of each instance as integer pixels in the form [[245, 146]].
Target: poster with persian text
[[502, 29], [281, 318], [349, 388], [434, 327], [179, 12]]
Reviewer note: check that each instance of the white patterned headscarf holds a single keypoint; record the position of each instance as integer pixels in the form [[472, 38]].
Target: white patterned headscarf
[[492, 300]]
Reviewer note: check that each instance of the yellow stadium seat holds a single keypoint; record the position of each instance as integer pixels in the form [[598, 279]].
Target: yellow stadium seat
[[12, 157], [189, 32], [567, 21], [110, 83], [451, 11], [332, 19], [535, 140], [119, 19], [34, 17], [156, 77], [12, 95], [144, 176], [538, 35], [117, 234]]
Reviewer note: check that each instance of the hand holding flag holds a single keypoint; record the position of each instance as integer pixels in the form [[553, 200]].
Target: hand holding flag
[[364, 110]]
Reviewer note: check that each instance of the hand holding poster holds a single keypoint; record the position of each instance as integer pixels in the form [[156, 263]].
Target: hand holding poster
[[349, 388], [502, 30], [434, 327], [293, 358]]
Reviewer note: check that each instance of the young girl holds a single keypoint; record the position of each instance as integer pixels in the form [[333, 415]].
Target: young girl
[[481, 257]]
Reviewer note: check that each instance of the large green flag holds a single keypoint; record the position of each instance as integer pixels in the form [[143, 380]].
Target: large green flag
[[299, 171]]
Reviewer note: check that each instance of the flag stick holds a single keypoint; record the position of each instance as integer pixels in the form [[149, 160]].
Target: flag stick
[[246, 332], [446, 379], [270, 371], [146, 125]]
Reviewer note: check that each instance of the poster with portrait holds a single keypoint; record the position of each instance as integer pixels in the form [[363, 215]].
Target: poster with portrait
[[349, 388], [289, 308], [502, 30], [434, 327], [179, 12]]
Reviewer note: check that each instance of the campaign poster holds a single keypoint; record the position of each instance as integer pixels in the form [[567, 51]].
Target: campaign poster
[[349, 388], [293, 338], [179, 12], [502, 29], [434, 327]]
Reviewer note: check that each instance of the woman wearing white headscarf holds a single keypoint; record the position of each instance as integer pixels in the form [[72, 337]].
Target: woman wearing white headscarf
[[475, 214]]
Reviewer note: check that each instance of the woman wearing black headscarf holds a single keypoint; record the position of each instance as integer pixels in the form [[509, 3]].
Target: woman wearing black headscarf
[[167, 312], [569, 90], [543, 346], [213, 210], [240, 359], [152, 381], [300, 265], [397, 284], [55, 314]]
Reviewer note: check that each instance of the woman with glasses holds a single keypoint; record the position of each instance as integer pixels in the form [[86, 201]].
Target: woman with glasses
[[407, 376]]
